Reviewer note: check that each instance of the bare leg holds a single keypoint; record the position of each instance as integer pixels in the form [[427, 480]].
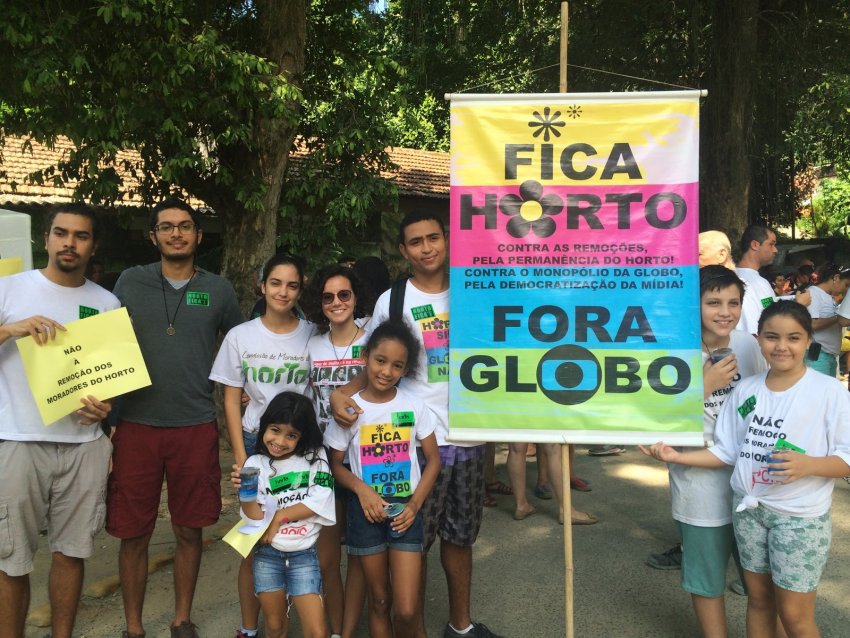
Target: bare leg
[[187, 564], [516, 475], [65, 586], [355, 596], [274, 608], [457, 564], [329, 557], [405, 568], [553, 454], [311, 613], [133, 573], [420, 611], [249, 605], [376, 571], [711, 615], [14, 604], [797, 612], [542, 466], [761, 605]]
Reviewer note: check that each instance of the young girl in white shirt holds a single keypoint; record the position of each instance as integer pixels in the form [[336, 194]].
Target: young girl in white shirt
[[787, 434], [385, 477], [295, 478]]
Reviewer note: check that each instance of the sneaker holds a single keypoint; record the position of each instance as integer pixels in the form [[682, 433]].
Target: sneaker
[[242, 634], [671, 559], [185, 629], [543, 492], [479, 630]]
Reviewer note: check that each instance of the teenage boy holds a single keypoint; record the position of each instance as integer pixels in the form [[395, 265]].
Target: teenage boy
[[57, 474], [454, 508], [168, 429]]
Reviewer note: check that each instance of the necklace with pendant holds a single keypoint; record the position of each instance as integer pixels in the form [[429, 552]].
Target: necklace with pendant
[[171, 330], [347, 348]]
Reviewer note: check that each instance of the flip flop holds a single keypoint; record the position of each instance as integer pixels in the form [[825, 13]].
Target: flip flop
[[580, 484], [489, 501], [497, 487]]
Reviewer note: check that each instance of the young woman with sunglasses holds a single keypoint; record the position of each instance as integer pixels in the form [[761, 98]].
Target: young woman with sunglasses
[[262, 358], [337, 303]]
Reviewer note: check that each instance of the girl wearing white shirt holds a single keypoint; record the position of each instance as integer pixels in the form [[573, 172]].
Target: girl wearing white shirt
[[787, 434]]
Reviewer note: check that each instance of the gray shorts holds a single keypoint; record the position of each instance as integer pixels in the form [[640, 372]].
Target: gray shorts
[[792, 549], [455, 506], [62, 485]]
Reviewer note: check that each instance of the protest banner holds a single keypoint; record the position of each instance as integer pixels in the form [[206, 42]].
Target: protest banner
[[574, 268], [98, 355]]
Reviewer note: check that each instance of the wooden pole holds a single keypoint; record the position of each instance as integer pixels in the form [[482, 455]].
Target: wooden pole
[[565, 450]]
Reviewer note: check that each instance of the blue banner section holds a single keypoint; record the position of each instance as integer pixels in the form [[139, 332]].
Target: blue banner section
[[600, 308]]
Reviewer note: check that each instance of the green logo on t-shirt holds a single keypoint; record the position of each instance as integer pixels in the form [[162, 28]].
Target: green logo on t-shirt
[[289, 481], [357, 352], [766, 302], [402, 419], [85, 311], [197, 299], [422, 312], [747, 406]]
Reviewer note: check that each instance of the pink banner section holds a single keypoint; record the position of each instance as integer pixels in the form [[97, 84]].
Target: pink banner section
[[574, 226]]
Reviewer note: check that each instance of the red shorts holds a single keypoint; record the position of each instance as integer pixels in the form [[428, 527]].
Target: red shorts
[[142, 454]]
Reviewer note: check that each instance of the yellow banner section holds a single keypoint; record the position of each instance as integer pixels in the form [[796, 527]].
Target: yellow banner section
[[97, 356], [11, 266], [504, 144]]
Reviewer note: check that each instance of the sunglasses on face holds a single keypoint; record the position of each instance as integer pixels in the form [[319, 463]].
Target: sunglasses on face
[[342, 295]]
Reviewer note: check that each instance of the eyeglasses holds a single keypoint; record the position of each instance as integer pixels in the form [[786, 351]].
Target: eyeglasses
[[342, 295], [166, 228]]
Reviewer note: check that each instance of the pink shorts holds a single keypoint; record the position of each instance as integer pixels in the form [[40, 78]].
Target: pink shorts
[[142, 455]]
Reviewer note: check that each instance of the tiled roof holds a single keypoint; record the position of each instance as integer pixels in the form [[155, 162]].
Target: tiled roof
[[22, 157], [419, 173]]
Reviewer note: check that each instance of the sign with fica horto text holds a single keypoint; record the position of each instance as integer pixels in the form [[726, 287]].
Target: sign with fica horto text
[[574, 276], [97, 356]]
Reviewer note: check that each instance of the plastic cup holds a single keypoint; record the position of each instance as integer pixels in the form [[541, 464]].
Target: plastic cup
[[392, 510], [250, 481], [719, 354]]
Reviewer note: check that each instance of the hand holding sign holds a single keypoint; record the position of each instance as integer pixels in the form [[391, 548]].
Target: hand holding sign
[[41, 329], [96, 354]]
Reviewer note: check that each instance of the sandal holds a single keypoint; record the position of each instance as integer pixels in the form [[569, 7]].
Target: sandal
[[497, 487], [489, 501], [580, 484]]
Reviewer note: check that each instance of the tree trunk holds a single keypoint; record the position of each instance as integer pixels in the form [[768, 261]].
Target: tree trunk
[[727, 117], [250, 234]]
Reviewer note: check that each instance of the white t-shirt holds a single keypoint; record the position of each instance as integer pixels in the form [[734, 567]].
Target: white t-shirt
[[22, 296], [296, 480], [428, 316], [814, 415], [332, 367], [758, 295], [381, 445], [823, 306], [702, 496], [264, 363]]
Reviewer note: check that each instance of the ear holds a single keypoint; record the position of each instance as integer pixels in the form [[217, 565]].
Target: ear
[[152, 237], [402, 249], [45, 239], [200, 236]]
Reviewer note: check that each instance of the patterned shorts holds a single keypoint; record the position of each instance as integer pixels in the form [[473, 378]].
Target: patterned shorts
[[792, 549], [455, 506]]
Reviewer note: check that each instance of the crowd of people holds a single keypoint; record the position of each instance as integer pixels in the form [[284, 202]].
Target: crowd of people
[[331, 398]]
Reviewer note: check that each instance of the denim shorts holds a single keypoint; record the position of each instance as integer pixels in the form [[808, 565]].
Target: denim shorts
[[364, 538], [296, 573], [249, 439]]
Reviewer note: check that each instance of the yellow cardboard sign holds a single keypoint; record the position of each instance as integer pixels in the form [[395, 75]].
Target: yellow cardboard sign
[[98, 355], [243, 541], [11, 266]]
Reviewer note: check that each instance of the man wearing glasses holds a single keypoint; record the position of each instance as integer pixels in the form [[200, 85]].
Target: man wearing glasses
[[168, 429]]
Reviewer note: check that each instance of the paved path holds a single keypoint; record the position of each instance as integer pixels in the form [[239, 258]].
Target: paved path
[[518, 578]]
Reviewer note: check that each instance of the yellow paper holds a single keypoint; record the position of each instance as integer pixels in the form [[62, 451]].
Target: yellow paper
[[243, 543], [11, 266], [97, 356]]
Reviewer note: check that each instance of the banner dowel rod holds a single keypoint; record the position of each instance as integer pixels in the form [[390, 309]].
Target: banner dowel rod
[[568, 543]]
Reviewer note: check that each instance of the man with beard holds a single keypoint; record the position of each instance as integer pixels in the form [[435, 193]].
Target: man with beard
[[168, 429], [57, 474], [758, 249]]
